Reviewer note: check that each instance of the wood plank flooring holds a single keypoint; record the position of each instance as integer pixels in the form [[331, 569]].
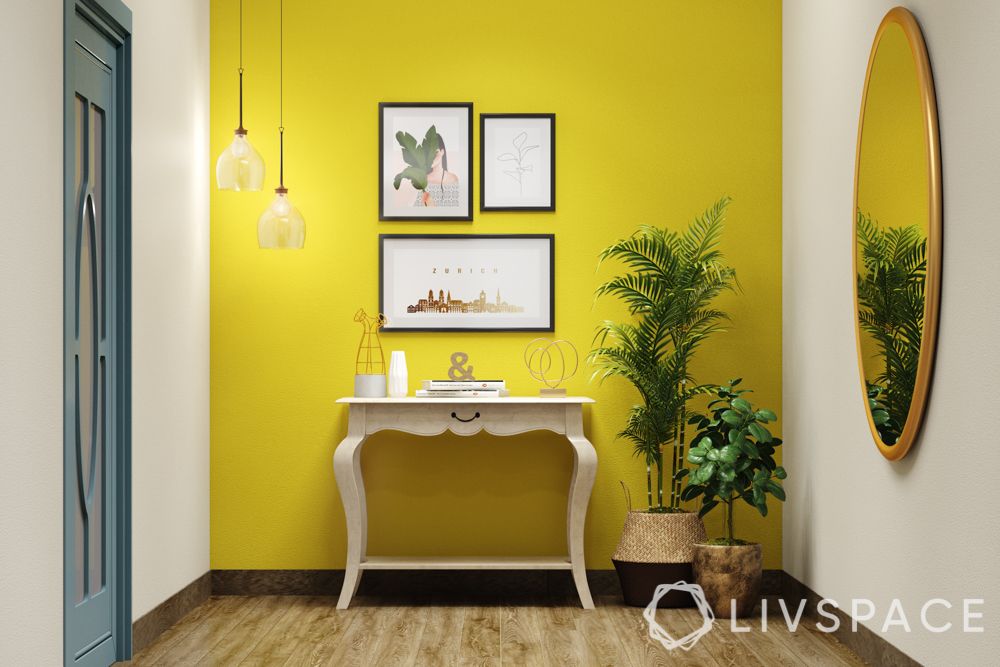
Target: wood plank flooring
[[299, 630]]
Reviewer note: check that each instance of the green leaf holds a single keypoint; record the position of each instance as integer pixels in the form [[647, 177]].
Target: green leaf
[[712, 455], [729, 454], [759, 432], [780, 473], [696, 456], [704, 473], [430, 146], [742, 405], [727, 474], [748, 448], [765, 415], [762, 508], [416, 176], [692, 491], [707, 507], [411, 155], [776, 490], [733, 383], [732, 418], [681, 474], [880, 417]]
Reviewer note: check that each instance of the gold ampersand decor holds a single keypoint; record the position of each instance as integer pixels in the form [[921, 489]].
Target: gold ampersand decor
[[551, 362], [370, 359], [458, 370]]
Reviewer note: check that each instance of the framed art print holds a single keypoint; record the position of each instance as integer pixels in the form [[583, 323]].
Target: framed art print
[[517, 168], [425, 161], [467, 282]]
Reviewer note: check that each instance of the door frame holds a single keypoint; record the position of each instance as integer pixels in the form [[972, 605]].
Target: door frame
[[113, 19]]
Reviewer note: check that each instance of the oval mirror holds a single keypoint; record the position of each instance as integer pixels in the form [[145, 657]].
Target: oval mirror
[[897, 225]]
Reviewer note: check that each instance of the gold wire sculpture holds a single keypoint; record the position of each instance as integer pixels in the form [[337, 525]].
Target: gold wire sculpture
[[551, 362], [370, 359]]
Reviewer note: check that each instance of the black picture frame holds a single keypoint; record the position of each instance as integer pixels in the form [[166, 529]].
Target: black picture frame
[[463, 216], [548, 327], [483, 119]]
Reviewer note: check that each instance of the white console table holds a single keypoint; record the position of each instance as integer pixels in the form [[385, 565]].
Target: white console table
[[464, 416]]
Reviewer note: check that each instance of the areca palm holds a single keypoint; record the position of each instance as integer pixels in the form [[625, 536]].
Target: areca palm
[[671, 281], [891, 311]]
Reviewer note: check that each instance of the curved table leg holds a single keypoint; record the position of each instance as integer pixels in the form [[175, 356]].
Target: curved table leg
[[580, 486], [347, 469]]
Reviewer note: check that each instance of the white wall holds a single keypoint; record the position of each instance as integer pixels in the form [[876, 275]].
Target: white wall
[[171, 178], [856, 525], [31, 347], [170, 327]]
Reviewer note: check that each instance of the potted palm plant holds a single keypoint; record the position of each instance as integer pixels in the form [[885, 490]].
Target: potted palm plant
[[734, 454], [672, 280]]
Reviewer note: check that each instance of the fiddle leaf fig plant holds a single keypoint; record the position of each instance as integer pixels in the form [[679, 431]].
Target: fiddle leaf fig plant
[[419, 158], [733, 454]]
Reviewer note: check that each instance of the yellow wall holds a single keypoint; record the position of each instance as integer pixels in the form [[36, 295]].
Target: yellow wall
[[662, 107]]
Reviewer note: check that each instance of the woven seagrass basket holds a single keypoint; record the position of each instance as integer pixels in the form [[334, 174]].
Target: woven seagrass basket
[[657, 548]]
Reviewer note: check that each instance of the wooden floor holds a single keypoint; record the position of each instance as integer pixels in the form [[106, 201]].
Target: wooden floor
[[279, 630]]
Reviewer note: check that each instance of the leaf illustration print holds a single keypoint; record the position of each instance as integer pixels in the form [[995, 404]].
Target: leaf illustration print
[[521, 166]]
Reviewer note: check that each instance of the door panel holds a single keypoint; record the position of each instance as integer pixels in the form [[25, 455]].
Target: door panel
[[93, 226]]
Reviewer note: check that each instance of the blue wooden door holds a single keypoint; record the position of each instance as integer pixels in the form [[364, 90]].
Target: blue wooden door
[[94, 362]]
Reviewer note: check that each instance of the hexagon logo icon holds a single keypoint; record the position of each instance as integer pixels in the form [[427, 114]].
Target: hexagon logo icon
[[688, 641]]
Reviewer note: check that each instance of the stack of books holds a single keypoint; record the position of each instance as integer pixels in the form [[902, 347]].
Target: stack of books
[[463, 389]]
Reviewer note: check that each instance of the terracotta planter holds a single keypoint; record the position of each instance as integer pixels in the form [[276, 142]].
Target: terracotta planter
[[656, 548], [729, 573]]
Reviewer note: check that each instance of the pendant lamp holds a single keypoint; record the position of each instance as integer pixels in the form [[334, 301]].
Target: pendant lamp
[[281, 225], [240, 166]]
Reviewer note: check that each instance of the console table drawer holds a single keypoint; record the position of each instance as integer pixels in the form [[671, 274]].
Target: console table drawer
[[467, 418]]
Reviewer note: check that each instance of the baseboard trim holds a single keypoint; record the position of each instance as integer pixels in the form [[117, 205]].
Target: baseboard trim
[[150, 626], [870, 646], [511, 585]]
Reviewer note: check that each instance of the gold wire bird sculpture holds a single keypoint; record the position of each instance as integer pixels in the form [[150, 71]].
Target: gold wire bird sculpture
[[370, 359]]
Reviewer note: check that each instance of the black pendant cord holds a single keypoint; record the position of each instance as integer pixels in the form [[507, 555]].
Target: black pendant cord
[[243, 131], [281, 94]]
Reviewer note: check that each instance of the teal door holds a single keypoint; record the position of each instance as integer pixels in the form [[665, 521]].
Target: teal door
[[96, 366]]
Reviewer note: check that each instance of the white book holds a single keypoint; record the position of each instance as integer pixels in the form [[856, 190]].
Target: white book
[[462, 385], [461, 393]]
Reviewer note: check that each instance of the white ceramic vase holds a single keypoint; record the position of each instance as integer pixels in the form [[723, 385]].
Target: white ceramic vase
[[398, 377]]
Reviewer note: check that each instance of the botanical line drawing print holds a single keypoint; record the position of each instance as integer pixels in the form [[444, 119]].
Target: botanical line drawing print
[[518, 156]]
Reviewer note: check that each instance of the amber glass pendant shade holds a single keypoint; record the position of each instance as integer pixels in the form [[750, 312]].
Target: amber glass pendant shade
[[281, 225], [240, 167]]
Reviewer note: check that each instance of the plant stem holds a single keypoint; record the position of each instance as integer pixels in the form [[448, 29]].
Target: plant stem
[[649, 486], [675, 496], [729, 523], [659, 477]]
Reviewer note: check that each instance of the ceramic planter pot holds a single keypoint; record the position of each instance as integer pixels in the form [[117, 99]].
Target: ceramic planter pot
[[369, 386], [729, 573], [656, 548]]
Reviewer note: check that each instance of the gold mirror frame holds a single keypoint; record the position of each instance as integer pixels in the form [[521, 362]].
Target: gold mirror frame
[[932, 287]]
